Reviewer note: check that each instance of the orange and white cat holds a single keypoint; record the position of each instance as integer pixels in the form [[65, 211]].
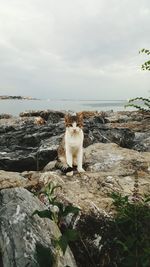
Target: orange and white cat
[[70, 151]]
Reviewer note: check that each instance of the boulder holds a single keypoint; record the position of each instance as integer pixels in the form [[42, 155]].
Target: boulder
[[27, 240], [50, 115], [24, 145], [16, 179], [11, 179], [142, 141], [112, 158], [28, 146], [5, 116], [103, 133], [138, 122]]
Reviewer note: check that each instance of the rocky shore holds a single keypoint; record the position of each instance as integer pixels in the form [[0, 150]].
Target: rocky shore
[[116, 150], [17, 97]]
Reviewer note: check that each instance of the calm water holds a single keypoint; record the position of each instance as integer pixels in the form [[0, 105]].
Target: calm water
[[14, 107]]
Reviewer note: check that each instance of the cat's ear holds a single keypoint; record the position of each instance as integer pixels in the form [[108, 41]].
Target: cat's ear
[[80, 116], [66, 118], [80, 119]]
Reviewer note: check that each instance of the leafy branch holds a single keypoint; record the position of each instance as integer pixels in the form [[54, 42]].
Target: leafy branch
[[145, 65], [141, 103]]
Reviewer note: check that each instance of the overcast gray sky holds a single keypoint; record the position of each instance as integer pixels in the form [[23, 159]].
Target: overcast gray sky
[[84, 49]]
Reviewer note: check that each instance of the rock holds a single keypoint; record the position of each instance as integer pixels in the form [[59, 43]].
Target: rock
[[102, 133], [26, 240], [108, 168], [50, 115], [136, 121], [27, 146], [27, 179], [50, 166], [112, 158], [11, 179], [142, 141], [5, 116]]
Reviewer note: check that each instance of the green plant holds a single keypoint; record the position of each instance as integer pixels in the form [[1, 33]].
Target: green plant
[[132, 222], [141, 103], [58, 212], [145, 65]]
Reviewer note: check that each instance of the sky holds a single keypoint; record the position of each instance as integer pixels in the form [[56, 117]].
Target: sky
[[82, 49]]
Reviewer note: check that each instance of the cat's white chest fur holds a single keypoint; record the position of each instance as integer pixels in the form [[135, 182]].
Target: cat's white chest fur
[[74, 140]]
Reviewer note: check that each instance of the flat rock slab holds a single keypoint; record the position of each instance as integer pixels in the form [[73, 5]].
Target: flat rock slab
[[108, 168]]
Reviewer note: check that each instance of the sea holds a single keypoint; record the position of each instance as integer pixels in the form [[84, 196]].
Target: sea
[[15, 107]]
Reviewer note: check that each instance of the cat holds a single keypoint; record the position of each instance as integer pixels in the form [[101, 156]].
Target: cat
[[70, 151]]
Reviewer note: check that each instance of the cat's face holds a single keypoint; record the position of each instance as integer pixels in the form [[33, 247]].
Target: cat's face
[[74, 124]]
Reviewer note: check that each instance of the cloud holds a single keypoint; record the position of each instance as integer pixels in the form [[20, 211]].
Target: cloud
[[70, 48]]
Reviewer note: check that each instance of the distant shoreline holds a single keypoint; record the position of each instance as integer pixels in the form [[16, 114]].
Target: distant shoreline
[[9, 97]]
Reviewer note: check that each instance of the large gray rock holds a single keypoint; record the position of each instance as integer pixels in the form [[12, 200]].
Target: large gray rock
[[115, 159], [24, 145], [28, 147], [26, 240], [50, 115], [138, 122]]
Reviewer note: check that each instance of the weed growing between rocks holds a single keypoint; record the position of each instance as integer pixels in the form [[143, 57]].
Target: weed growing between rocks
[[132, 222], [58, 212]]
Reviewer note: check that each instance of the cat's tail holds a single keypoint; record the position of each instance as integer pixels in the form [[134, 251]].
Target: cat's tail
[[65, 168]]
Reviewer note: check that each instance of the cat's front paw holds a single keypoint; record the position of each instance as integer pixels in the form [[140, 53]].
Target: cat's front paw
[[80, 170], [69, 173]]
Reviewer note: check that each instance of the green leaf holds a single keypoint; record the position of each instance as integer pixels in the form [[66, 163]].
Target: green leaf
[[54, 187], [44, 256], [147, 199], [68, 236], [124, 247], [71, 209], [43, 214], [62, 243], [71, 235], [142, 50]]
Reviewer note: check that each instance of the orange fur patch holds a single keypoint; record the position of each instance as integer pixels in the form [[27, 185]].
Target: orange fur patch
[[39, 121]]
